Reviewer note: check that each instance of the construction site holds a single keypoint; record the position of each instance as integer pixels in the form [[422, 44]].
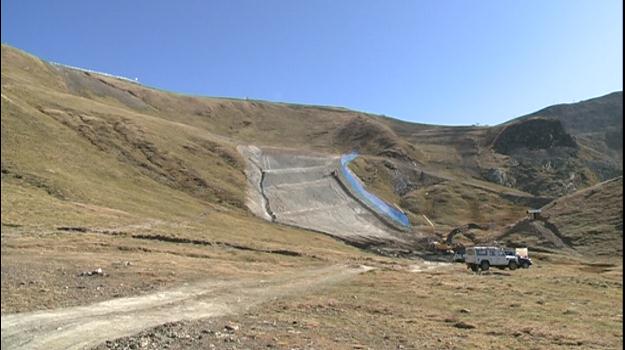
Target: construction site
[[153, 220]]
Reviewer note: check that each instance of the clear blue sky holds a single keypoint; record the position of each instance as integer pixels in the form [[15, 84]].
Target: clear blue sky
[[442, 62]]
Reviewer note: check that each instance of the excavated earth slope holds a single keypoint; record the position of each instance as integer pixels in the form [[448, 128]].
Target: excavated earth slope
[[297, 189]]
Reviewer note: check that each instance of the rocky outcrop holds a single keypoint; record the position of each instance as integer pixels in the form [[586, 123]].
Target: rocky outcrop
[[533, 134], [499, 176], [542, 159]]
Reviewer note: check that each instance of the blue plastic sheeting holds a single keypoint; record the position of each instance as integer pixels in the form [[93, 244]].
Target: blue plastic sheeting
[[380, 206]]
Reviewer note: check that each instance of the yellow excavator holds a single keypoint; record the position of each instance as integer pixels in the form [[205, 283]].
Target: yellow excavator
[[448, 246]]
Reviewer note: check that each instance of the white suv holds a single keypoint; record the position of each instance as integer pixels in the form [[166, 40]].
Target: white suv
[[482, 258]]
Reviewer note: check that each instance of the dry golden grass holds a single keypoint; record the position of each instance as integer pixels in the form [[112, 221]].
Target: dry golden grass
[[552, 306], [558, 304]]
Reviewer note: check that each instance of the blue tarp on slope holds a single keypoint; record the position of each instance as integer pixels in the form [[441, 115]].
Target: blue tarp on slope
[[375, 203]]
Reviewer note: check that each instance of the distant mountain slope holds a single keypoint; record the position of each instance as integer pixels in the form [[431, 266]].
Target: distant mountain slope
[[596, 123], [593, 115], [81, 137]]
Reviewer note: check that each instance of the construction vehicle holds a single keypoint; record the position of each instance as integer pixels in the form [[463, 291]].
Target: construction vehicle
[[449, 247], [459, 255]]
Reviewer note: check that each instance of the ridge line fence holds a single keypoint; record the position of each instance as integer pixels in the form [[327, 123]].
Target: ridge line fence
[[136, 81]]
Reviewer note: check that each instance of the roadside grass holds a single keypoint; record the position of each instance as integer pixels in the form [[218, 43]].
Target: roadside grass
[[556, 304], [547, 306]]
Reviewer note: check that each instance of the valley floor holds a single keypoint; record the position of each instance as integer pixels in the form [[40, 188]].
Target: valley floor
[[200, 296]]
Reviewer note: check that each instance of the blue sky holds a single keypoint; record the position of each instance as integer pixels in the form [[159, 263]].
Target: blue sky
[[442, 62]]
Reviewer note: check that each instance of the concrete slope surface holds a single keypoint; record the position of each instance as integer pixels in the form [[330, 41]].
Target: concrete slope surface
[[86, 326], [298, 189]]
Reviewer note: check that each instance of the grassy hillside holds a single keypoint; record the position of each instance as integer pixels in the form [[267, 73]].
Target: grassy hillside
[[457, 150], [447, 201], [90, 176], [98, 172], [81, 148], [589, 222], [597, 125], [599, 119], [87, 150]]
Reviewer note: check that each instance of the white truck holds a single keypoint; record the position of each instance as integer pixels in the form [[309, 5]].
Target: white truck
[[482, 258]]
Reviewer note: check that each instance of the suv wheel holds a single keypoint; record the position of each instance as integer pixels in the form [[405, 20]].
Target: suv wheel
[[513, 265], [525, 265], [484, 265]]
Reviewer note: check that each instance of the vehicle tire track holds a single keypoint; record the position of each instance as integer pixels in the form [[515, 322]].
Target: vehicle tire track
[[87, 326]]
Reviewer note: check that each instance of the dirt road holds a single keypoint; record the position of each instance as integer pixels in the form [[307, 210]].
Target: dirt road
[[86, 326]]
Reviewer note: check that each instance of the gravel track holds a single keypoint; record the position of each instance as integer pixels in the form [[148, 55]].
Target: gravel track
[[87, 326]]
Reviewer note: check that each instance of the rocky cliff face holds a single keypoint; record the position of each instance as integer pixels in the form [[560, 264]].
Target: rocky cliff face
[[533, 134], [543, 158]]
